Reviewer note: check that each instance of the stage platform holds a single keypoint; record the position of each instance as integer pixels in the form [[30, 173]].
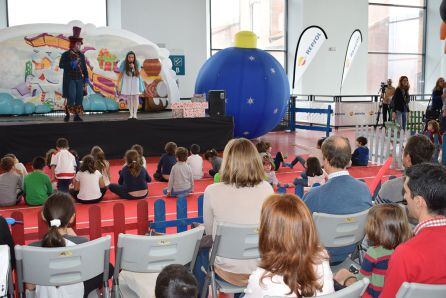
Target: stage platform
[[30, 136]]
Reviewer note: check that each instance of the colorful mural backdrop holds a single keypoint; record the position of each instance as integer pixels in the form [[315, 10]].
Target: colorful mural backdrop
[[29, 69]]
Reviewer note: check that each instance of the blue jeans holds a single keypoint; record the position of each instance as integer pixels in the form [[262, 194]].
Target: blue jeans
[[401, 119], [179, 193], [75, 93]]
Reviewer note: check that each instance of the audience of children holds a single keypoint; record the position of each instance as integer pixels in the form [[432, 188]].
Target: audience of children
[[433, 133], [387, 227], [63, 165], [89, 186], [195, 161], [211, 156], [37, 185], [101, 164], [181, 179], [360, 156], [176, 281], [11, 183], [166, 163], [133, 178], [292, 260]]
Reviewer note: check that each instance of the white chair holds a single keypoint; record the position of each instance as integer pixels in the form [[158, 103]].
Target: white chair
[[353, 291], [340, 231], [150, 254], [232, 241], [63, 265], [414, 290], [6, 282]]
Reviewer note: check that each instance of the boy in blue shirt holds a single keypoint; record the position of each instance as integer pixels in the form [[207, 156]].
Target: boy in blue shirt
[[360, 156]]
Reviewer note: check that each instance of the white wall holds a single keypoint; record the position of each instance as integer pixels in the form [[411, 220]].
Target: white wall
[[434, 46], [339, 19], [180, 25]]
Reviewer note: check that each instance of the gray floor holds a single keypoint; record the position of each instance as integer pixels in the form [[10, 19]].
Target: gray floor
[[57, 117]]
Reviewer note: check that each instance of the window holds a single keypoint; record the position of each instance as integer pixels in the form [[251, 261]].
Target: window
[[266, 18], [396, 43], [22, 12]]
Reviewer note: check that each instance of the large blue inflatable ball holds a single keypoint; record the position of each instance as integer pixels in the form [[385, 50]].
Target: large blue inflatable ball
[[256, 85]]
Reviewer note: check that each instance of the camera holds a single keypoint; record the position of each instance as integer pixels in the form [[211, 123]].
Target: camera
[[383, 87]]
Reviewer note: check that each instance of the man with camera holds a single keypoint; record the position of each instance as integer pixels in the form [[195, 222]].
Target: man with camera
[[387, 92]]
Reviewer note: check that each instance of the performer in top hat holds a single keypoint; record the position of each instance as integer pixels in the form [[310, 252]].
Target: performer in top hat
[[75, 76]]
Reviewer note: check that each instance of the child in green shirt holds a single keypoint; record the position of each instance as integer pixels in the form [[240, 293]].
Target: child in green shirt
[[37, 185]]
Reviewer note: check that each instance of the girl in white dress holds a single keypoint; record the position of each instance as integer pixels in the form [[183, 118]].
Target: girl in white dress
[[130, 83]]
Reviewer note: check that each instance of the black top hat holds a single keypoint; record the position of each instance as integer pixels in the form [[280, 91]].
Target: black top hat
[[76, 35]]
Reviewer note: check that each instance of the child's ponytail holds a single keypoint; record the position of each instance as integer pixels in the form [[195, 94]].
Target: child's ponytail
[[133, 160], [57, 212]]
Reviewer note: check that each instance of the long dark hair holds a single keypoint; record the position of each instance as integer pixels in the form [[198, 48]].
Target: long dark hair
[[87, 164], [314, 167], [133, 160], [128, 69], [58, 206]]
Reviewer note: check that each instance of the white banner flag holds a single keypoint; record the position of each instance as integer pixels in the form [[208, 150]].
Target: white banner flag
[[310, 41], [353, 45]]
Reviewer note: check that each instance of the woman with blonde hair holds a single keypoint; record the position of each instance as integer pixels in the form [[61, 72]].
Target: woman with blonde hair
[[236, 199], [293, 262]]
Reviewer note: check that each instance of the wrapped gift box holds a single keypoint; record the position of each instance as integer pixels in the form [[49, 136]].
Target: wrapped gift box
[[189, 109]]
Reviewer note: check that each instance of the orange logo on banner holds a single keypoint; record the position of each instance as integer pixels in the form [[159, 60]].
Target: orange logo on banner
[[301, 61]]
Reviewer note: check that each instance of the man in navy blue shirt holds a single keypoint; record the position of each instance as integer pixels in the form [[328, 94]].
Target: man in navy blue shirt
[[342, 194]]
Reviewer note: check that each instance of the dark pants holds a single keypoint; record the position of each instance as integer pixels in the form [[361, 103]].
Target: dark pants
[[74, 194], [122, 193], [96, 282], [212, 172], [159, 177], [75, 93], [298, 159], [278, 160], [386, 112], [64, 184]]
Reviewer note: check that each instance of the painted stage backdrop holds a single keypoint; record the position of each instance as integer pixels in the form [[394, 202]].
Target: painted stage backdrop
[[31, 81]]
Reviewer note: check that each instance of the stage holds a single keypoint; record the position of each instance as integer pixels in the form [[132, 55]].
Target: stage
[[30, 136]]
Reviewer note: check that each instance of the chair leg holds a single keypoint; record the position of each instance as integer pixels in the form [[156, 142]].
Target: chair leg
[[213, 285], [205, 289]]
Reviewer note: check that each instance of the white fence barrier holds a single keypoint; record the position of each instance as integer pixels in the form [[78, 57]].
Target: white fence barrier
[[383, 142]]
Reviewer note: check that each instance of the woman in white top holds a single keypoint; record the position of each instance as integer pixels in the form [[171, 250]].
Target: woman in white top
[[89, 186], [293, 262], [236, 199], [130, 83]]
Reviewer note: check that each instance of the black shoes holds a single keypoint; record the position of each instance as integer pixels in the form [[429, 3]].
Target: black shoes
[[77, 118]]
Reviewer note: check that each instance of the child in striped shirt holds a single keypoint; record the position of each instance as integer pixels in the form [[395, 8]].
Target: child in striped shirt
[[386, 227]]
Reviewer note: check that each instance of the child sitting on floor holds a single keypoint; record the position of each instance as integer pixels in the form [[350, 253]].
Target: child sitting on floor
[[18, 166], [313, 173], [11, 183], [360, 156], [138, 148], [101, 164], [195, 161], [268, 166], [181, 180], [317, 152], [386, 228], [212, 156], [37, 185], [89, 187], [166, 163]]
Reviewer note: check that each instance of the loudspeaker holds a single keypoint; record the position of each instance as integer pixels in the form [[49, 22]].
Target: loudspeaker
[[217, 103]]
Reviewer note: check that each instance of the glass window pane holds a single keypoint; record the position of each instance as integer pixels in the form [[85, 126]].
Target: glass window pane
[[382, 67], [280, 56], [395, 29], [56, 11], [400, 2], [266, 18]]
